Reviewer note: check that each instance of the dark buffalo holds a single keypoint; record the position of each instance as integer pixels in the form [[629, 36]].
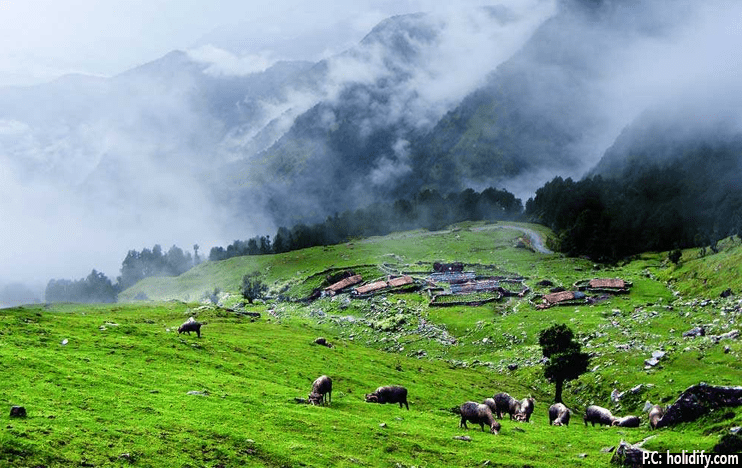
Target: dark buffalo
[[559, 415], [389, 394], [478, 414]]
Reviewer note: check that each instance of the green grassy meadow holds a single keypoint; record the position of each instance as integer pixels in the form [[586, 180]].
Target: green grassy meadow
[[108, 385]]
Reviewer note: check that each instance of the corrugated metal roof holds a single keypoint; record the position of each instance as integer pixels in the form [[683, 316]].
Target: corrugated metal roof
[[344, 283], [400, 281], [607, 283], [561, 296], [371, 287]]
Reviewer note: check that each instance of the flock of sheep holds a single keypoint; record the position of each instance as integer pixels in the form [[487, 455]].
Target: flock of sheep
[[492, 409]]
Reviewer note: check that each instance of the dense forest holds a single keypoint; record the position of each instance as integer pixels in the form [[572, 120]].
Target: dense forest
[[692, 199]]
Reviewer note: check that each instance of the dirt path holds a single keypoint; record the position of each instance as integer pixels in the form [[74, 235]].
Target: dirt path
[[536, 241]]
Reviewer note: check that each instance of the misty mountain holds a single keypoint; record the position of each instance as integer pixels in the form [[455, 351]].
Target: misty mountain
[[689, 164], [207, 146], [353, 146]]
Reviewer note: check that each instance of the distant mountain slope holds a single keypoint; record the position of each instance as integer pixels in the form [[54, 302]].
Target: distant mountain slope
[[353, 146], [692, 167]]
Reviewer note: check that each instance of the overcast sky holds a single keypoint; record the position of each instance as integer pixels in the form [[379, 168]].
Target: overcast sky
[[43, 39]]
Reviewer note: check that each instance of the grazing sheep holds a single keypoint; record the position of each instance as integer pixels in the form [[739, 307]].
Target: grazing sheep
[[389, 394], [627, 421], [320, 387], [478, 414], [526, 409], [506, 404], [189, 326], [596, 414], [655, 414], [559, 415]]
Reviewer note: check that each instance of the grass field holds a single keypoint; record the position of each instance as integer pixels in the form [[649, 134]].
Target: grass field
[[116, 385]]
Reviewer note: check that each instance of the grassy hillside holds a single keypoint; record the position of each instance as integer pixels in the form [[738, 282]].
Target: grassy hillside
[[109, 385]]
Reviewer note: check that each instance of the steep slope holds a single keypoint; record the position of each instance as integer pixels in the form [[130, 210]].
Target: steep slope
[[684, 164], [353, 145]]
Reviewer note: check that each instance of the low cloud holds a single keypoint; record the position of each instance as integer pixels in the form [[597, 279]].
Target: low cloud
[[220, 62]]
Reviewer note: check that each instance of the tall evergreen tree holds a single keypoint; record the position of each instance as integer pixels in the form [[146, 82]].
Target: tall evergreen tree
[[566, 361]]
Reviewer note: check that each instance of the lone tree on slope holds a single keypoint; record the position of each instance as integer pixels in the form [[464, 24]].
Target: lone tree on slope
[[252, 287], [566, 361]]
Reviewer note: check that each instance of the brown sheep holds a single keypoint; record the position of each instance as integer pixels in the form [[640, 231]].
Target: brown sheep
[[526, 409], [627, 421], [321, 386], [189, 326], [596, 414], [559, 415], [506, 404], [655, 414], [389, 394], [478, 414]]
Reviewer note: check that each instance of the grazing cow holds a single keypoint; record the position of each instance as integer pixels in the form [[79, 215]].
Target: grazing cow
[[389, 394], [478, 414], [627, 421], [526, 409], [191, 325], [506, 404], [490, 402], [321, 386], [596, 414], [559, 415], [655, 414]]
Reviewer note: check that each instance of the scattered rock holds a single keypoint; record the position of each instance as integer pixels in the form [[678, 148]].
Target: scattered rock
[[513, 366], [651, 362], [694, 332], [18, 412], [464, 438], [198, 393], [726, 293], [727, 349], [731, 335], [382, 425], [608, 449], [65, 341]]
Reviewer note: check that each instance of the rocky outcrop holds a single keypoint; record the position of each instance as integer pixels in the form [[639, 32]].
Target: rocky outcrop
[[698, 400]]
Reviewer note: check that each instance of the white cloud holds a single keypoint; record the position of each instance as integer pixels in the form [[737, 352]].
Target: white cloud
[[224, 63]]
